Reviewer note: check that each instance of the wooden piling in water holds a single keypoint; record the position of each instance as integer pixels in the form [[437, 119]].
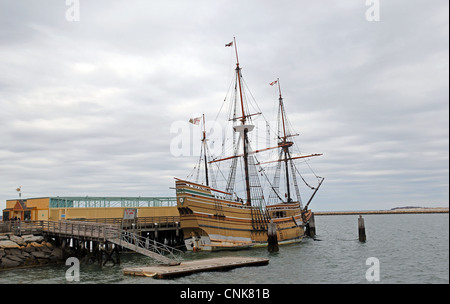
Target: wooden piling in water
[[272, 238], [361, 229], [100, 255], [311, 226]]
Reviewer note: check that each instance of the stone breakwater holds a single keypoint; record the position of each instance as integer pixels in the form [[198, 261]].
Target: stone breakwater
[[27, 251]]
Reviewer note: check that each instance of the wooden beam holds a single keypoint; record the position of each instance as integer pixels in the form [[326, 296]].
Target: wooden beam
[[291, 158]]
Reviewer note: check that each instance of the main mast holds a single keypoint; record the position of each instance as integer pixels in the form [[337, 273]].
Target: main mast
[[244, 129]]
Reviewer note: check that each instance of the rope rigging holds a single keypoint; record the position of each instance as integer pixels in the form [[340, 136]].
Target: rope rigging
[[242, 99]]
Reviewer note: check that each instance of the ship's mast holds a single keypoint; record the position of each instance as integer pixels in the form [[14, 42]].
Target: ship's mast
[[204, 151], [285, 144], [244, 129], [238, 72]]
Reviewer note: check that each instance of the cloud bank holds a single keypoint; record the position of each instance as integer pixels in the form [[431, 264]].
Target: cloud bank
[[86, 107]]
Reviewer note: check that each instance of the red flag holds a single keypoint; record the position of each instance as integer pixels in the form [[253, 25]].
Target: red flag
[[229, 44], [273, 82]]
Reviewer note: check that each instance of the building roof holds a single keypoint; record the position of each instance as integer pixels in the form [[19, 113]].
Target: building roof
[[104, 201]]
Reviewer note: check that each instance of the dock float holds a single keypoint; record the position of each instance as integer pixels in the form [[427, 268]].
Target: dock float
[[190, 267]]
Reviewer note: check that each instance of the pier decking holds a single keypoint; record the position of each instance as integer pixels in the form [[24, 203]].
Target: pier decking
[[190, 267]]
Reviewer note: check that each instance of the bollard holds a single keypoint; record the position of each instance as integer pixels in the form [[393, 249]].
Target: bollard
[[361, 229]]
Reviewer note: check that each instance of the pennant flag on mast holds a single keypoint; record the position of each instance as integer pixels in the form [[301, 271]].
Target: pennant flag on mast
[[273, 82], [229, 44], [195, 120]]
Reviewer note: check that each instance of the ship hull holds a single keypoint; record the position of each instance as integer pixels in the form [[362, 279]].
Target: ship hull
[[210, 222]]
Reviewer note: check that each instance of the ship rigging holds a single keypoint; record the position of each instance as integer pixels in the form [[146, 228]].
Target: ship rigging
[[240, 214]]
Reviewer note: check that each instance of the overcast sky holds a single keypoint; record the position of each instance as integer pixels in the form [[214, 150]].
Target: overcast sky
[[86, 106]]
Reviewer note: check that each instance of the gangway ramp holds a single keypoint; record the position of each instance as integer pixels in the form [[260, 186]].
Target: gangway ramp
[[165, 254]]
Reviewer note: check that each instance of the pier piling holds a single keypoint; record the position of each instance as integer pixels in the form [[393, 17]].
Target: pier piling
[[272, 238], [361, 229], [311, 226]]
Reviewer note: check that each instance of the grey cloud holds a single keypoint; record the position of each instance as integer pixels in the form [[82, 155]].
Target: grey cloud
[[86, 107]]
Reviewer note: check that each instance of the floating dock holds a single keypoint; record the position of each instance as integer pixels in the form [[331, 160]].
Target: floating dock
[[190, 267]]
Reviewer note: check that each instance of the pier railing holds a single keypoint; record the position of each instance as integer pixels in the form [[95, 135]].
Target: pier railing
[[89, 226], [141, 223], [98, 231]]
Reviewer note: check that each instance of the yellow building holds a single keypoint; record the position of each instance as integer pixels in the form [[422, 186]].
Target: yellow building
[[24, 209], [57, 208]]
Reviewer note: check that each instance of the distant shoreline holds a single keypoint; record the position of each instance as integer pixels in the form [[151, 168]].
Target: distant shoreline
[[395, 211]]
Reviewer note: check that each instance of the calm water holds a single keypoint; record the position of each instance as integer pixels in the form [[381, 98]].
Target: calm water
[[411, 248]]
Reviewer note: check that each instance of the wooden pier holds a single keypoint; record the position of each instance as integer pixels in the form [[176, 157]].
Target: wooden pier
[[99, 239], [190, 267]]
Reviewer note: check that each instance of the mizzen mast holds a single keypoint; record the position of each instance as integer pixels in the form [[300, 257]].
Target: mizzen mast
[[284, 144], [285, 155]]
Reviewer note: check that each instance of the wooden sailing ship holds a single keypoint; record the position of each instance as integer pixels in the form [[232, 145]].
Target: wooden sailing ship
[[214, 219]]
